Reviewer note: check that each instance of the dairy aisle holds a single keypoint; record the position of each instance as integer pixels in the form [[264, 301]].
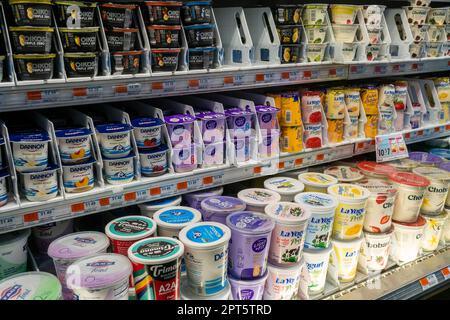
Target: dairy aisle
[[224, 150]]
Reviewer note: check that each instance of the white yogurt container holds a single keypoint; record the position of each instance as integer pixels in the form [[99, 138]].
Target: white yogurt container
[[446, 232], [375, 250], [186, 292], [286, 187], [3, 187], [171, 220], [147, 132], [119, 170], [45, 234], [316, 182], [40, 185], [436, 193], [114, 139], [282, 282], [407, 240], [213, 154], [13, 253], [31, 286], [433, 231], [30, 150], [149, 208], [206, 256], [74, 144], [316, 263], [344, 173], [100, 277], [154, 161], [344, 259], [79, 177]]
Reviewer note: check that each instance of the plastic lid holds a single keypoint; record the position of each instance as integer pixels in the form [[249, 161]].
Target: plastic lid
[[284, 185], [156, 250], [348, 192], [444, 153], [375, 169], [31, 286], [258, 197], [11, 237], [409, 179], [316, 201], [113, 127], [160, 148], [98, 271], [403, 164], [344, 173], [186, 292], [222, 204], [78, 245], [266, 109], [130, 228], [378, 186], [179, 118], [202, 194], [176, 217], [425, 158], [146, 122], [317, 179], [72, 132], [250, 222], [420, 222], [432, 173], [205, 235], [207, 115], [288, 212], [32, 136]]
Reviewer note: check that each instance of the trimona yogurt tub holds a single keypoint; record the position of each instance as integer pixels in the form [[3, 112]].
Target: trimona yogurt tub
[[436, 193], [316, 182], [31, 286], [316, 262], [171, 220], [30, 150], [256, 199], [285, 186], [407, 240], [248, 289], [149, 208], [375, 250], [114, 139], [74, 144], [13, 253], [344, 259], [217, 208]]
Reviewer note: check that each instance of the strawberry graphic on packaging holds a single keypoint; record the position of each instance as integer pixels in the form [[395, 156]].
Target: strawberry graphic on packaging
[[380, 199], [385, 219]]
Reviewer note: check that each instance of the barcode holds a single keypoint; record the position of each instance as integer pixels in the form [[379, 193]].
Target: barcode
[[287, 116], [285, 142], [313, 15]]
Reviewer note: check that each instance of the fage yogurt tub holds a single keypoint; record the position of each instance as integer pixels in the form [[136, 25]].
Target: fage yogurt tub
[[217, 208], [256, 199], [285, 186], [436, 192], [13, 253], [31, 286], [316, 182]]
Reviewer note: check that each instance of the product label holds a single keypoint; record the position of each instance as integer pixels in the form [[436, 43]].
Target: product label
[[131, 226], [318, 231], [176, 216], [153, 162], [205, 234], [348, 220], [286, 243]]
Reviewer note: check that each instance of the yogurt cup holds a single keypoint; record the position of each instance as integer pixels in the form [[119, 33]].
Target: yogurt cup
[[433, 230], [74, 144], [316, 262], [322, 207], [239, 122], [410, 192], [344, 173], [119, 170], [180, 128], [437, 16], [352, 98], [217, 208], [79, 177], [40, 185], [282, 282], [286, 187], [187, 294], [267, 117], [446, 166], [288, 236], [311, 107], [256, 199], [375, 170], [248, 289], [419, 31], [100, 277], [416, 15], [375, 250], [344, 259], [67, 249], [171, 220], [349, 51], [242, 148], [149, 208], [446, 231], [30, 150], [194, 199], [316, 182], [436, 193], [269, 145], [345, 32], [373, 16], [13, 253], [314, 14], [114, 139], [403, 164], [315, 52], [156, 268], [213, 154], [184, 158], [249, 245], [206, 256], [316, 33], [147, 132], [407, 240], [45, 234], [125, 231], [212, 126], [31, 286], [154, 161], [343, 13], [417, 50], [425, 159], [350, 212]]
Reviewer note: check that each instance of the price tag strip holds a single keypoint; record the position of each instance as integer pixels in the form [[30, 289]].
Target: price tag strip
[[428, 281], [390, 147]]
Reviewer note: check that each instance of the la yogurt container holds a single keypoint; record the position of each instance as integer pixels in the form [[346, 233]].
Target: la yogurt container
[[149, 208], [436, 193], [126, 62], [172, 219], [165, 59], [34, 66], [180, 128], [256, 199], [248, 289], [316, 182], [74, 144], [79, 40], [40, 185], [13, 253], [314, 14], [194, 199], [196, 12], [31, 39], [407, 240], [286, 187], [375, 170], [201, 58], [212, 126], [31, 286], [375, 250], [121, 39], [433, 230], [45, 234], [164, 36], [114, 139], [147, 132], [344, 173], [200, 35], [79, 177], [164, 12], [217, 208], [68, 16], [81, 64], [36, 13], [116, 15], [316, 262], [282, 282], [154, 161], [344, 259]]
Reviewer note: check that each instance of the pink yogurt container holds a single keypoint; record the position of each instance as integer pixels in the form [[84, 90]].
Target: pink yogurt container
[[267, 117], [181, 128], [212, 126]]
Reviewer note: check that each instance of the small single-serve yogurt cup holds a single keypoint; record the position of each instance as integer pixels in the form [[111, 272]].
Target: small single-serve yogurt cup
[[257, 199], [186, 292], [316, 262], [212, 126], [125, 231], [375, 250], [74, 144], [154, 161], [217, 208], [79, 177], [375, 170], [206, 256], [407, 240], [316, 182], [437, 16], [114, 139], [322, 207], [147, 132], [345, 32], [248, 289], [3, 187], [45, 234], [67, 249], [213, 154], [416, 15], [180, 128], [40, 185], [433, 231], [288, 236], [446, 228], [13, 253], [343, 13], [30, 150], [194, 199], [103, 276], [171, 220], [425, 159], [344, 174], [149, 208], [31, 286], [119, 170], [436, 193], [249, 245], [184, 158], [267, 117], [286, 187], [344, 259], [314, 14], [282, 282], [239, 122]]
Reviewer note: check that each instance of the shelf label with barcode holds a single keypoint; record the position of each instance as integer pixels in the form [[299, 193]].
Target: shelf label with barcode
[[87, 93], [428, 281], [168, 189], [446, 272], [165, 86], [390, 147], [9, 223], [116, 200], [43, 96]]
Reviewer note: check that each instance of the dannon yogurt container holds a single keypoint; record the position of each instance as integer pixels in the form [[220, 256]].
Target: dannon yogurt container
[[149, 208], [30, 150], [79, 177], [248, 289], [114, 139], [119, 170], [74, 144], [147, 132], [40, 185]]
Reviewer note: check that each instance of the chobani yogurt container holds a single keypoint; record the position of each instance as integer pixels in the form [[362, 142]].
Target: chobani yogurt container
[[322, 207], [410, 191], [67, 249], [433, 230], [288, 236], [344, 174], [375, 250], [217, 208], [286, 187], [30, 150], [13, 253], [74, 144], [149, 208], [282, 282], [31, 286], [403, 164], [436, 192], [407, 240], [154, 161], [426, 159], [79, 177], [103, 276], [350, 212], [446, 166], [119, 170], [147, 132], [212, 126], [206, 256], [45, 234], [125, 231], [257, 199], [40, 185], [171, 220], [375, 170], [248, 289], [344, 259], [316, 182], [249, 245], [181, 128], [188, 294], [194, 199], [316, 263], [114, 139]]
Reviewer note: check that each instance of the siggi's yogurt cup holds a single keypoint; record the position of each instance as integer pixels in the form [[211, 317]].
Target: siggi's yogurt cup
[[212, 126], [282, 282], [119, 170], [287, 188], [344, 173], [436, 193], [124, 232], [45, 234], [31, 286], [375, 170], [425, 159], [30, 150], [316, 182], [239, 122], [322, 207], [410, 191], [206, 256], [13, 253], [40, 185], [79, 177], [184, 158], [249, 244], [114, 139], [350, 212], [256, 199], [375, 250], [74, 144], [407, 240], [316, 262], [248, 289], [147, 132], [267, 117], [186, 292], [194, 199], [288, 235], [100, 277], [154, 161], [217, 208], [181, 128], [344, 259], [433, 230], [67, 249], [171, 220], [149, 208]]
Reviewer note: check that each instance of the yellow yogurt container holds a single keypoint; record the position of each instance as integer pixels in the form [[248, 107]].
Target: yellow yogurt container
[[292, 139], [344, 259], [290, 109], [317, 182]]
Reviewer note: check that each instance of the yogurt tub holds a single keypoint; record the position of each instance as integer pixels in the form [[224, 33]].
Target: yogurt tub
[[212, 126], [240, 122], [343, 13], [84, 14], [443, 153], [195, 12], [316, 182], [350, 212], [34, 66], [374, 252], [149, 208], [213, 154], [419, 31], [425, 159], [282, 282], [81, 64], [446, 229], [165, 59], [375, 36], [117, 15], [313, 135], [171, 220], [345, 32], [147, 132], [206, 256], [349, 50], [256, 199], [154, 161], [164, 12], [125, 231], [287, 188], [433, 231], [180, 127], [119, 170], [242, 148], [437, 16], [316, 33], [100, 277], [316, 262], [315, 52], [114, 139], [79, 40], [416, 15], [194, 199], [3, 187], [31, 39], [13, 253], [187, 294], [403, 164], [40, 185], [30, 150], [344, 173], [322, 207], [45, 234], [249, 245], [287, 14], [121, 39], [32, 13], [375, 170], [289, 34], [311, 106], [31, 286], [79, 177], [74, 144], [288, 235], [267, 117], [373, 16], [344, 259], [314, 14], [436, 193], [407, 240], [248, 289], [217, 208], [184, 158], [373, 52], [164, 36], [126, 62], [201, 58], [67, 249]]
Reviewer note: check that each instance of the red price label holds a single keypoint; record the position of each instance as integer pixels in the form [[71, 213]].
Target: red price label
[[207, 180], [299, 161], [78, 207], [130, 196], [182, 185], [155, 191], [259, 77], [281, 165], [228, 80], [104, 202], [194, 83], [79, 92], [34, 95], [307, 74], [30, 217], [121, 89]]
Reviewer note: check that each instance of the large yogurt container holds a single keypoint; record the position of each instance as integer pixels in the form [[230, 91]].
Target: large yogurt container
[[344, 174], [67, 249], [194, 199], [147, 132], [350, 212], [149, 208], [407, 240], [217, 208], [125, 231], [410, 191], [13, 253], [180, 128], [100, 277], [375, 250], [206, 256], [30, 150], [375, 170], [40, 185], [187, 293], [426, 159], [79, 177], [171, 220], [316, 262], [249, 244], [212, 126], [154, 161], [74, 144], [31, 286], [286, 187], [443, 153], [316, 182], [119, 170], [288, 236], [114, 139], [239, 122], [433, 231], [436, 193], [446, 166], [282, 282], [257, 199], [45, 234], [267, 117], [344, 259], [248, 289], [322, 207]]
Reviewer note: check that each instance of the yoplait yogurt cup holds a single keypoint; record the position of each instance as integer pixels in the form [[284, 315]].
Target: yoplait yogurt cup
[[74, 144], [45, 234], [239, 122], [31, 286], [149, 208], [249, 244], [375, 170], [154, 161], [286, 187], [40, 185], [147, 132], [375, 250], [187, 293], [316, 262], [171, 220], [194, 199], [282, 282], [217, 208], [119, 170], [114, 139], [344, 259], [256, 199], [181, 128], [433, 230], [248, 289], [13, 253], [407, 240], [212, 126], [436, 193], [426, 159], [30, 150], [344, 174], [79, 177], [316, 182], [267, 117]]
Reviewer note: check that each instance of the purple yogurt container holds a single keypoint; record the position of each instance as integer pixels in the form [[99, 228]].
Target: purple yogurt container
[[194, 199], [217, 208], [267, 117], [212, 126], [425, 158], [213, 154], [249, 244], [239, 122], [184, 158], [181, 128], [248, 289], [445, 166]]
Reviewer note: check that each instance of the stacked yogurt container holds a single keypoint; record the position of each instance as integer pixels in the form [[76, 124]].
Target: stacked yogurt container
[[345, 29], [289, 27], [213, 127]]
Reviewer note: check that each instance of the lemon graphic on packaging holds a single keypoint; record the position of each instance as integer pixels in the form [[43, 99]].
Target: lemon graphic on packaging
[[73, 14], [29, 67], [22, 40], [78, 41], [296, 16], [30, 13], [72, 66], [353, 230], [295, 35], [287, 55]]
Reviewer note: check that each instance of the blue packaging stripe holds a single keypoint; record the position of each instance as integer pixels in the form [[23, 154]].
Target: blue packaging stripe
[[3, 197], [125, 149], [33, 192], [71, 184], [37, 163], [67, 156], [150, 170], [117, 178], [141, 144]]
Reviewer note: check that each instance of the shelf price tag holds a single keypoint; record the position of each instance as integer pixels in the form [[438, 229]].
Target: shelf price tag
[[390, 147], [116, 200], [417, 67], [91, 206], [134, 88], [127, 89], [357, 69], [9, 223], [87, 93], [50, 95], [399, 67], [196, 84], [446, 272], [380, 69], [428, 281], [165, 86]]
